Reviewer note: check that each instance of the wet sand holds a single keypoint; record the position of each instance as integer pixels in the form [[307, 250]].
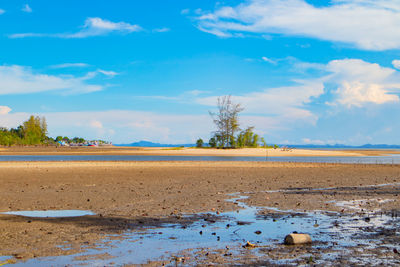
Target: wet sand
[[126, 195], [159, 151]]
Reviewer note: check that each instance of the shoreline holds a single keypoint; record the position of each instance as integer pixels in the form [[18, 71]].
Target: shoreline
[[241, 152]]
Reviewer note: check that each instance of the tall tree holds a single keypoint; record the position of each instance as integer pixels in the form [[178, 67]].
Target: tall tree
[[34, 130], [199, 143], [226, 120]]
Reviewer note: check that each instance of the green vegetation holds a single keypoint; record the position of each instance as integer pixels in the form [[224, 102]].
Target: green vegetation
[[228, 133], [31, 132], [199, 143], [34, 132], [227, 122]]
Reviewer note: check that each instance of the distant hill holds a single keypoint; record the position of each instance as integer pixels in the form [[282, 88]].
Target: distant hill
[[151, 144]]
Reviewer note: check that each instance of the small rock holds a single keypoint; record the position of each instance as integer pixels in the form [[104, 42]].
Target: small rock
[[249, 245]]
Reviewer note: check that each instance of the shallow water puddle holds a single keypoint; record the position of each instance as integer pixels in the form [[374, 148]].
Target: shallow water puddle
[[50, 213], [359, 204], [331, 231], [4, 260]]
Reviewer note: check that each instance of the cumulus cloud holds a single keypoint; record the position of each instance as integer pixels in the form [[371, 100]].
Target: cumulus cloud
[[23, 80], [347, 83], [366, 24], [27, 9], [92, 27], [4, 110], [359, 82]]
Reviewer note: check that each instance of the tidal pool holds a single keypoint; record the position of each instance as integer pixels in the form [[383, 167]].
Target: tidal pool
[[50, 213], [333, 235]]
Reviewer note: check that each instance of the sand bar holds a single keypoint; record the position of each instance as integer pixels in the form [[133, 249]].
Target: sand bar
[[244, 152]]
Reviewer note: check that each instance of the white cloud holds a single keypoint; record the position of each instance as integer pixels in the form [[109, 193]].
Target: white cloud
[[29, 34], [4, 110], [23, 80], [27, 9], [92, 27], [359, 82], [2, 11], [108, 72], [162, 30], [366, 24], [70, 65], [268, 60], [98, 27], [396, 63], [348, 82]]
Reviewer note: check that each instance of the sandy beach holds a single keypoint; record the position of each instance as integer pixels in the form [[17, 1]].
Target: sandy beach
[[125, 195], [243, 152]]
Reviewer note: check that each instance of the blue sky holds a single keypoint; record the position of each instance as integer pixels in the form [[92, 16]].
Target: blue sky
[[321, 72]]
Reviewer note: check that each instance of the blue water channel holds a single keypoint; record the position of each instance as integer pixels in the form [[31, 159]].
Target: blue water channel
[[390, 159]]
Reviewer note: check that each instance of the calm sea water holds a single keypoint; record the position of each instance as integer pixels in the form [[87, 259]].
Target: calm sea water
[[392, 159]]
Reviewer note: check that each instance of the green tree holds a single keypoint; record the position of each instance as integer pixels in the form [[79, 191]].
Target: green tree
[[199, 143], [226, 121], [256, 139], [34, 130], [212, 142], [264, 144]]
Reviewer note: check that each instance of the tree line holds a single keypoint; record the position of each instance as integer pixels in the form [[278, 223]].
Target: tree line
[[228, 133], [33, 132]]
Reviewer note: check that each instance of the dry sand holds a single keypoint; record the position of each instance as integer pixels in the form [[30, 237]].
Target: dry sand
[[127, 194]]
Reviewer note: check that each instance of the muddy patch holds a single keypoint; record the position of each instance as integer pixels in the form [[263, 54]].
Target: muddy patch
[[213, 238]]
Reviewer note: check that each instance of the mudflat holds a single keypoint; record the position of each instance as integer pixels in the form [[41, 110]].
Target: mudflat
[[125, 195]]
